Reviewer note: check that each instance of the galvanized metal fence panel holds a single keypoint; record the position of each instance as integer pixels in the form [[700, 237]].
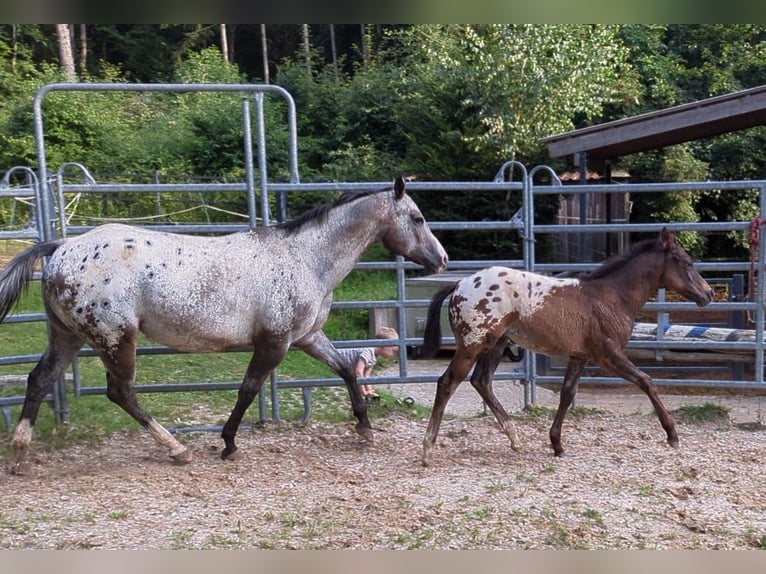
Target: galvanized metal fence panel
[[512, 177]]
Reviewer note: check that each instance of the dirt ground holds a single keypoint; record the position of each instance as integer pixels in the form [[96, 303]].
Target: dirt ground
[[319, 486]]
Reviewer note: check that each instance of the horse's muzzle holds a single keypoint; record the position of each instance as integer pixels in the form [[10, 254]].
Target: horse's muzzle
[[439, 267], [707, 296]]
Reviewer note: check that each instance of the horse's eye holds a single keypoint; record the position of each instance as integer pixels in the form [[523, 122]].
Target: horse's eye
[[418, 219]]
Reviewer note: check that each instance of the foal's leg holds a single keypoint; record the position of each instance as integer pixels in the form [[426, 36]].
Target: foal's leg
[[120, 363], [572, 375], [62, 348], [482, 381], [456, 371], [265, 359], [618, 364], [322, 349]]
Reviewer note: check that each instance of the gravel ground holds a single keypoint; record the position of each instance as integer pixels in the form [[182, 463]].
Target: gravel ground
[[619, 485]]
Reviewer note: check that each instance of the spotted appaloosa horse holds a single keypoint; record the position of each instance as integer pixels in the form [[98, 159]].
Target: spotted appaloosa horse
[[586, 319], [269, 287]]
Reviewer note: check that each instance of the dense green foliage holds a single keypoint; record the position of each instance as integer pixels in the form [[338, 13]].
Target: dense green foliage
[[441, 102]]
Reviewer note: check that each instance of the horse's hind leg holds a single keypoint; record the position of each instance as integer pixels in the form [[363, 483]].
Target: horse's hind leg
[[120, 363], [261, 364], [62, 348], [572, 375], [445, 387], [481, 380], [321, 348]]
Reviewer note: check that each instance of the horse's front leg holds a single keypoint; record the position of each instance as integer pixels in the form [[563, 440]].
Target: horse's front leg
[[321, 348], [566, 396], [618, 364], [265, 359]]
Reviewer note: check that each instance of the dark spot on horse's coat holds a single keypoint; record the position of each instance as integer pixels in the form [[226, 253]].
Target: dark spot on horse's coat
[[106, 280], [96, 256], [537, 284], [502, 274], [105, 304], [129, 246], [150, 275], [516, 294], [82, 267], [178, 250], [149, 242], [79, 310], [78, 285], [497, 299], [84, 259], [494, 287], [164, 265], [106, 245]]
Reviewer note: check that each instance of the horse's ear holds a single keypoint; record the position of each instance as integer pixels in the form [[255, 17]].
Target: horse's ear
[[399, 187], [667, 238]]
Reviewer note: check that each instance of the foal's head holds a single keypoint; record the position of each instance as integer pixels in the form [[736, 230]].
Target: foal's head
[[678, 272]]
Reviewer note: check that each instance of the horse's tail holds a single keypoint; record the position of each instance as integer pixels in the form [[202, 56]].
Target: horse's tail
[[432, 335], [16, 276]]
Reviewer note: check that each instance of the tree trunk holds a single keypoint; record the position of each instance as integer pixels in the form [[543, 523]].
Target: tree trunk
[[65, 51], [306, 47], [265, 52], [224, 43], [334, 49], [83, 48], [365, 45]]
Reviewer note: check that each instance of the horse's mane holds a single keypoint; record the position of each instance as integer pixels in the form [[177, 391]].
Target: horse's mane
[[321, 211], [618, 262]]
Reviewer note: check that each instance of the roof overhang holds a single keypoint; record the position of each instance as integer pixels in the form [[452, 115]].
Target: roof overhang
[[654, 130]]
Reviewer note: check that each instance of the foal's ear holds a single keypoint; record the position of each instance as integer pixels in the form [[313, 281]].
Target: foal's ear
[[399, 187], [667, 238]]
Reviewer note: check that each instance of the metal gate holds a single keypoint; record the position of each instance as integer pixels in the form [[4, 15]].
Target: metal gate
[[54, 219]]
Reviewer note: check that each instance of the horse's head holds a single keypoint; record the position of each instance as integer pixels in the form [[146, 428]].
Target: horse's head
[[679, 274], [408, 234]]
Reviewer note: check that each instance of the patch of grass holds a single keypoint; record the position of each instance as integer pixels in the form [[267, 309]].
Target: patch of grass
[[705, 413], [538, 412]]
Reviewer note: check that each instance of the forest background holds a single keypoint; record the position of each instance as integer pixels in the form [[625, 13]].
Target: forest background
[[440, 102]]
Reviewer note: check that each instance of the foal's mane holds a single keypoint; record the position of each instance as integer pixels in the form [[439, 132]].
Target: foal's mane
[[618, 262], [321, 211]]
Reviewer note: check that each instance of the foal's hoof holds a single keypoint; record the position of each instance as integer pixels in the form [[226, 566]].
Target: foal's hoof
[[365, 432], [673, 442], [230, 454], [19, 468], [183, 457]]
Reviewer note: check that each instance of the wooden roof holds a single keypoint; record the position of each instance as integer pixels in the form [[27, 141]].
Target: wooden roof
[[696, 120]]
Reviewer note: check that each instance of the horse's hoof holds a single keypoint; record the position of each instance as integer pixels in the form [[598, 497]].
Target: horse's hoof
[[183, 457], [516, 448], [673, 443], [558, 452]]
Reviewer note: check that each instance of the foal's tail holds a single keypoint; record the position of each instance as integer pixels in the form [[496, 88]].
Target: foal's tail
[[432, 335], [16, 276]]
